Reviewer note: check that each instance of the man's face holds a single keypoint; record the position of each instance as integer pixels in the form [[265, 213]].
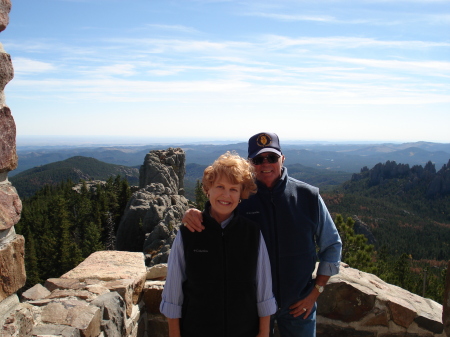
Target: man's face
[[268, 173]]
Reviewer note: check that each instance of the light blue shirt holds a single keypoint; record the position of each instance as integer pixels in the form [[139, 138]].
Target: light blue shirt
[[328, 241], [172, 296]]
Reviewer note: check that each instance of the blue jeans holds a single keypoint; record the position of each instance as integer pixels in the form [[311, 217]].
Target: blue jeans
[[290, 326]]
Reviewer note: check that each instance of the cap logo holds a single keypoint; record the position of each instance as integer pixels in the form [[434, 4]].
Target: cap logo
[[263, 140]]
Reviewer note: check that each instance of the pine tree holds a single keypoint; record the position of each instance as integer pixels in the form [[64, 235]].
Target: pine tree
[[200, 197], [355, 250]]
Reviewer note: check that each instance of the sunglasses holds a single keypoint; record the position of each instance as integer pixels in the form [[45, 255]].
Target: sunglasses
[[271, 158]]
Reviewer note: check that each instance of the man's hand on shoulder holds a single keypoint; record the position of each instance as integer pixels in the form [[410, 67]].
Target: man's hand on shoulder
[[193, 219]]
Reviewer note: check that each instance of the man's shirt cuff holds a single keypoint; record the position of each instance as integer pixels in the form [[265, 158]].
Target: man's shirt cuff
[[328, 268], [170, 310], [267, 307]]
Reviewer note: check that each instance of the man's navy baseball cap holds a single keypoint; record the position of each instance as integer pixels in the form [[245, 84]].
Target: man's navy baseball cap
[[263, 142]]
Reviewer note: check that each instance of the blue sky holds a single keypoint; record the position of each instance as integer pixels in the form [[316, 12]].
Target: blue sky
[[218, 70]]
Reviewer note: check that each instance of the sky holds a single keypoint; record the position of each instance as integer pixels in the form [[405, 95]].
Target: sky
[[224, 70]]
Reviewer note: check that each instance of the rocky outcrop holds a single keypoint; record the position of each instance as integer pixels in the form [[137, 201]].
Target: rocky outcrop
[[364, 229], [436, 184], [154, 212], [166, 167], [355, 303]]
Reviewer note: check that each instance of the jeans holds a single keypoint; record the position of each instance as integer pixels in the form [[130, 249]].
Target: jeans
[[290, 326]]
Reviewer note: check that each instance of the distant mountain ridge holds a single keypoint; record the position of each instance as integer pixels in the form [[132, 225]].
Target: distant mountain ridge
[[336, 157], [407, 209], [74, 168]]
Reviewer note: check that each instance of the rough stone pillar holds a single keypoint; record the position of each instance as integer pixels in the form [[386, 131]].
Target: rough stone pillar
[[12, 267], [446, 304]]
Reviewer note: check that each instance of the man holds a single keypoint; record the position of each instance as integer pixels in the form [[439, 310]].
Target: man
[[294, 221]]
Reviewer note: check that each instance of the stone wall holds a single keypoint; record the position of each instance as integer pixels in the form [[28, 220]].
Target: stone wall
[[113, 293], [12, 268]]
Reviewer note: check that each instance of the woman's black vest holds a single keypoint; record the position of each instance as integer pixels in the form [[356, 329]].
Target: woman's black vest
[[220, 287]]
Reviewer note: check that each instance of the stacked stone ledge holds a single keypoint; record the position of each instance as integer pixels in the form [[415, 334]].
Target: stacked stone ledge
[[12, 268]]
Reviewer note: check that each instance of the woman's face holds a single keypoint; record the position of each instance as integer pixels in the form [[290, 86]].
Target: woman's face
[[224, 198]]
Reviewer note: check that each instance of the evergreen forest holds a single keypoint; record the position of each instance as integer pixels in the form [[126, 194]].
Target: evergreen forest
[[62, 226]]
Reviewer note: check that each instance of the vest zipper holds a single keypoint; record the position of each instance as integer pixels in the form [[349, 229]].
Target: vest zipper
[[224, 284], [277, 253]]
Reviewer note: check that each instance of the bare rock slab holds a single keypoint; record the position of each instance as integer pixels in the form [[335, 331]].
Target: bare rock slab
[[362, 301], [124, 272], [36, 292], [12, 266], [8, 155], [5, 8], [10, 206]]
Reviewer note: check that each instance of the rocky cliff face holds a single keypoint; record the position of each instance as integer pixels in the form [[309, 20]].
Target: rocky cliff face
[[154, 212]]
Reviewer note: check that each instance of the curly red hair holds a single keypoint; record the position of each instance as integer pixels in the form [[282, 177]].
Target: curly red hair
[[235, 169]]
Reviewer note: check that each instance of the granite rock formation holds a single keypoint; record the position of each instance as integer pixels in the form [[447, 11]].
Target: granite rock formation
[[12, 267], [153, 214]]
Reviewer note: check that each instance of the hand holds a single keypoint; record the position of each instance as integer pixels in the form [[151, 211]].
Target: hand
[[307, 303], [193, 219]]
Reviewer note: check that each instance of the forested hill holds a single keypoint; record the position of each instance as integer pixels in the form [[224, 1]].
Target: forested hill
[[74, 168], [407, 209]]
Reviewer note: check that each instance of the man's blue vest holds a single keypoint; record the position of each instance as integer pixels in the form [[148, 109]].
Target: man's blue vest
[[288, 217], [220, 289]]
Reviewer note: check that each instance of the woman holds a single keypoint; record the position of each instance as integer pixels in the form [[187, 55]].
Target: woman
[[219, 281]]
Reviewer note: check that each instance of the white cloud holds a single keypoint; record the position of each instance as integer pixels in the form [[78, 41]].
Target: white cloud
[[345, 42], [174, 28], [27, 66]]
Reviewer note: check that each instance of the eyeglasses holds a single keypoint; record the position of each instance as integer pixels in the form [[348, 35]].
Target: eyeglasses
[[271, 158]]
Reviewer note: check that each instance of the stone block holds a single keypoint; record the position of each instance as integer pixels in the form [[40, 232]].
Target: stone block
[[136, 318], [18, 322], [344, 302], [6, 69], [12, 266], [402, 313], [430, 324], [125, 289], [60, 283], [55, 330], [5, 8], [113, 313], [36, 292], [10, 206], [79, 293], [157, 272], [380, 318], [152, 296], [113, 266], [8, 155], [77, 314]]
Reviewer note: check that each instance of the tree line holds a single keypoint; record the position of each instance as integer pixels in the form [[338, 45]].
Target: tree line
[[62, 226]]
